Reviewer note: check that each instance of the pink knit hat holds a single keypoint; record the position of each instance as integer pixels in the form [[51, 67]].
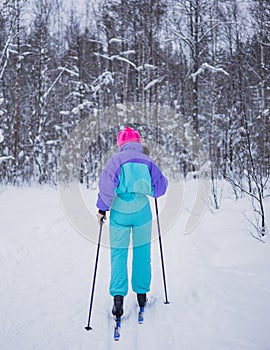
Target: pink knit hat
[[128, 135]]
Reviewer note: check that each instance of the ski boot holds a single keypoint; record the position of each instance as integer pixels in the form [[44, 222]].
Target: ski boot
[[141, 298], [117, 310]]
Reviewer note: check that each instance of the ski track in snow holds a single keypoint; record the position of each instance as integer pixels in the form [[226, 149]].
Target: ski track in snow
[[217, 278]]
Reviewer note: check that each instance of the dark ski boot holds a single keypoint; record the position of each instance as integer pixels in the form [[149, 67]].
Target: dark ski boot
[[141, 298], [117, 310]]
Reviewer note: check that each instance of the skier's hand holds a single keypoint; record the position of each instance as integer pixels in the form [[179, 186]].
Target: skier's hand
[[101, 216]]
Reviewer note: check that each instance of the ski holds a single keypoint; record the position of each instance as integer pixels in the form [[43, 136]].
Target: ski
[[116, 334], [141, 315], [117, 327]]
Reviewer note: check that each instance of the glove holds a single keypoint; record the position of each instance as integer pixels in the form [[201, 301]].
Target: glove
[[101, 216]]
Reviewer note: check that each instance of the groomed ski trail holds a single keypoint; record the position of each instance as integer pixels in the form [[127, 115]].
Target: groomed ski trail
[[132, 334], [217, 276]]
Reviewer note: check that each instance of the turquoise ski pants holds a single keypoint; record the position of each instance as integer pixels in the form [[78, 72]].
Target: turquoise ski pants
[[122, 225]]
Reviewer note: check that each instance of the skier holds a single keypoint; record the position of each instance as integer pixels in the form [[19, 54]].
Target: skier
[[127, 179]]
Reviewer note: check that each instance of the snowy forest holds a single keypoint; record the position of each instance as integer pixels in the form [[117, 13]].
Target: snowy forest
[[208, 60], [193, 77]]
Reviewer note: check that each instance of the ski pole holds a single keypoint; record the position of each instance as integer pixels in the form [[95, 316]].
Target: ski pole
[[161, 254], [88, 328]]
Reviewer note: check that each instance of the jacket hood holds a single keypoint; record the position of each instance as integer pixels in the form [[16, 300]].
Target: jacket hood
[[132, 146]]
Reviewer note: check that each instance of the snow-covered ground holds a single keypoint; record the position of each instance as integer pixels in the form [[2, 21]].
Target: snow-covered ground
[[218, 282]]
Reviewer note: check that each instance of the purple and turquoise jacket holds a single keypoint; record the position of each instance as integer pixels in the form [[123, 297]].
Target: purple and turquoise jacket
[[129, 174]]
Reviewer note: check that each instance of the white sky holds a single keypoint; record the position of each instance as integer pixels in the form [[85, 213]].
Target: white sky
[[78, 5]]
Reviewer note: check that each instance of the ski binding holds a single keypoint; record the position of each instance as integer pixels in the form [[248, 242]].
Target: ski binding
[[116, 335], [141, 315]]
